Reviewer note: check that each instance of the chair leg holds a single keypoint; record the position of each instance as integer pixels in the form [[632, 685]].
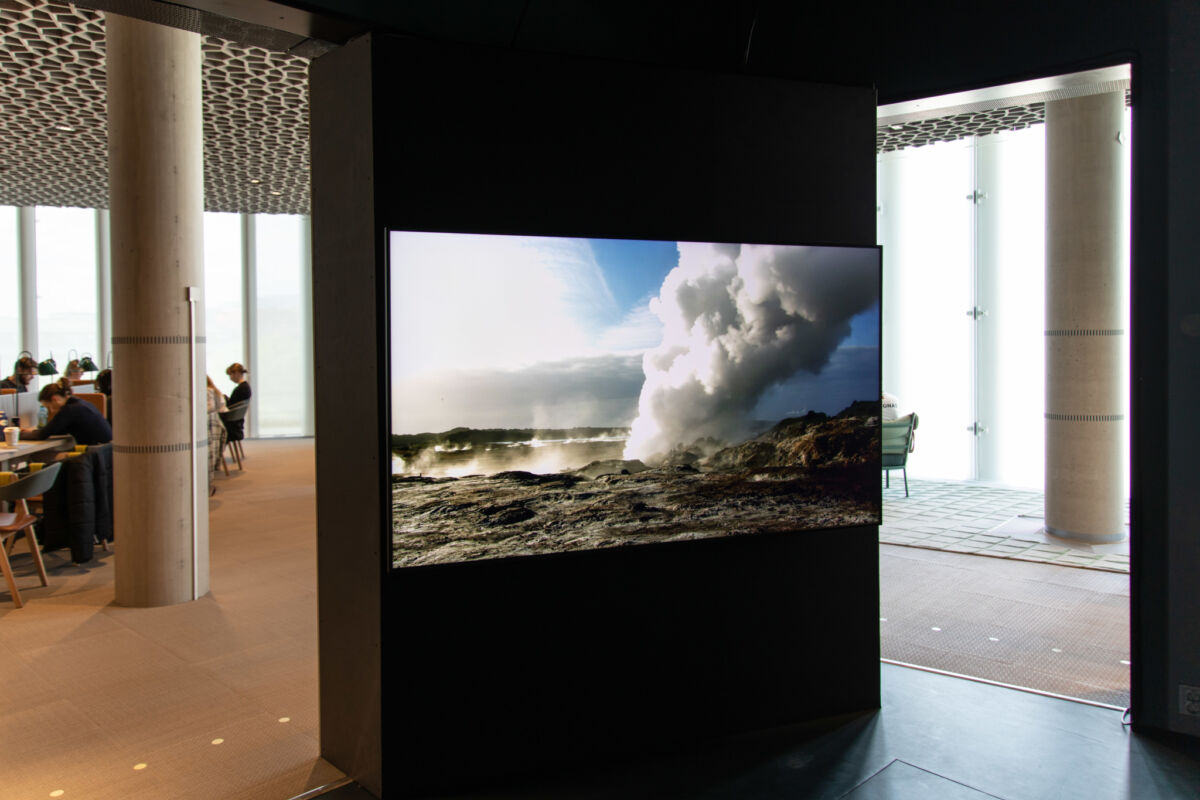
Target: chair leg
[[6, 568], [905, 471], [241, 453], [37, 555], [237, 456], [224, 464], [887, 479]]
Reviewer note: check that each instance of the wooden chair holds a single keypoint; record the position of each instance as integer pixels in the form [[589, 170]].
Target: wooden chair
[[97, 399], [897, 437], [21, 521]]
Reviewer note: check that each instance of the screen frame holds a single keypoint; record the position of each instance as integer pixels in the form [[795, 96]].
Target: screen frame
[[383, 312]]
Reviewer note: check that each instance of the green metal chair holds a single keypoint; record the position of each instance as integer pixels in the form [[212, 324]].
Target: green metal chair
[[897, 438]]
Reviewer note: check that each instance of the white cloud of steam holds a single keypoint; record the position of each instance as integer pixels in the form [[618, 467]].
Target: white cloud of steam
[[737, 320]]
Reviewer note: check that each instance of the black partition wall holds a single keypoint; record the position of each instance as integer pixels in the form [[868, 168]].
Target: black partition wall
[[444, 676]]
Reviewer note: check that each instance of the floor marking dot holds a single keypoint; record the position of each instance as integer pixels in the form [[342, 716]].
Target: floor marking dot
[[139, 766], [883, 619], [218, 741], [57, 793], [1055, 649], [993, 639], [285, 719], [935, 629], [1126, 663]]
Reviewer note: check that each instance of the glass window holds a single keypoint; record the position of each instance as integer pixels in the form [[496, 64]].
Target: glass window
[[280, 377], [67, 296], [925, 227], [223, 318], [10, 320], [1011, 269]]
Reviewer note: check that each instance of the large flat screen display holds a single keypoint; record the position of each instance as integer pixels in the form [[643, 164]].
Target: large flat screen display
[[557, 394]]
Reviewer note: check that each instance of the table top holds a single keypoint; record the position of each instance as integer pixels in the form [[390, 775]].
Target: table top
[[26, 448]]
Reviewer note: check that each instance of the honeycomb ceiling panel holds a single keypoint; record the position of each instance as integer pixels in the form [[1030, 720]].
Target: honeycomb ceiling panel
[[53, 121]]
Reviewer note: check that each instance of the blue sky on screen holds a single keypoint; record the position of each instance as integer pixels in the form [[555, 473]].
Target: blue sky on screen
[[501, 331]]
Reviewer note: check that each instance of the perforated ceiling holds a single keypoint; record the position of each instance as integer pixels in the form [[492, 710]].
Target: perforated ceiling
[[53, 126]]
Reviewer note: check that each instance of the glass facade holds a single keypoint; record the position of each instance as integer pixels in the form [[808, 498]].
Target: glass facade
[[224, 320], [10, 259], [280, 376], [962, 226], [68, 317], [64, 261]]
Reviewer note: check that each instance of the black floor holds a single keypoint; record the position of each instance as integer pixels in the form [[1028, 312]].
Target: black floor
[[937, 738]]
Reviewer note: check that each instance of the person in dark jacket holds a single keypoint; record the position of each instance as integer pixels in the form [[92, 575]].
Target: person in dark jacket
[[104, 386], [69, 415], [237, 374], [23, 372], [240, 393]]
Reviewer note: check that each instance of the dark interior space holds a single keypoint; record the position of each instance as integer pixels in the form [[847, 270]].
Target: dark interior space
[[513, 171]]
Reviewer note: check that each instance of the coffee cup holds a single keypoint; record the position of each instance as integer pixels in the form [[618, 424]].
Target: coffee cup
[[12, 435]]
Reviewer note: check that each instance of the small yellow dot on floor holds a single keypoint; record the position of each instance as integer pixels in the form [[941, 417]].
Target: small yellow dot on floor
[[139, 766], [218, 741], [285, 719], [57, 793]]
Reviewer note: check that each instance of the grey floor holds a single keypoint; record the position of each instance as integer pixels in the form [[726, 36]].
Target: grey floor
[[936, 738]]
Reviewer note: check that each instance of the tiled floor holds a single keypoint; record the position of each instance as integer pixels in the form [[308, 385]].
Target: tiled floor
[[936, 738], [211, 699], [986, 520]]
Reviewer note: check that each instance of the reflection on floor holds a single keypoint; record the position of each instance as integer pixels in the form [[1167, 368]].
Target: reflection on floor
[[937, 738], [211, 699], [987, 520]]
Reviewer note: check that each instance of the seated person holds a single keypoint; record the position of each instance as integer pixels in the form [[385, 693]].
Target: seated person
[[891, 407], [74, 373], [240, 393], [237, 374], [104, 387], [69, 416], [23, 372]]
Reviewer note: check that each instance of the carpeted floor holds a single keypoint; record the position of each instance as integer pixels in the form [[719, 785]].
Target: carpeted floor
[[1041, 626]]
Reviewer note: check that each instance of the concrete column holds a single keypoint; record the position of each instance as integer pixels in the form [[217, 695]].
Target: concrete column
[[1085, 412], [157, 239]]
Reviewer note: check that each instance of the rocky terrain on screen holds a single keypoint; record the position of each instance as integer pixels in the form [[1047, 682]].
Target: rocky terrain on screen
[[809, 472]]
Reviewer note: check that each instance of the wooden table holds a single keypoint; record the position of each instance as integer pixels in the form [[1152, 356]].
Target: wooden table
[[26, 448]]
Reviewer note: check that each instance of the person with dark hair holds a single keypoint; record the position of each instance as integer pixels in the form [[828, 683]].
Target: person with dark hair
[[237, 374], [240, 394], [23, 372], [69, 416], [104, 387]]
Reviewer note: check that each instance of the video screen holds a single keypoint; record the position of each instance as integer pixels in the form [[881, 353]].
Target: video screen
[[557, 394]]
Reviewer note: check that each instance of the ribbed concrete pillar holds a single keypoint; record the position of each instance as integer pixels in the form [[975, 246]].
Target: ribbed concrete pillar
[[156, 222], [1085, 422]]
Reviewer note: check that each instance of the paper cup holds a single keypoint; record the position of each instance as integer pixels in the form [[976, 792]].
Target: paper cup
[[12, 435]]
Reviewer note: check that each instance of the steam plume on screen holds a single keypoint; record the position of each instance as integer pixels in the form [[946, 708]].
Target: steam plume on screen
[[738, 319]]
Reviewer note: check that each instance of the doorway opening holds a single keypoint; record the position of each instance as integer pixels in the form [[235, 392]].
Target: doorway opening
[[971, 581]]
